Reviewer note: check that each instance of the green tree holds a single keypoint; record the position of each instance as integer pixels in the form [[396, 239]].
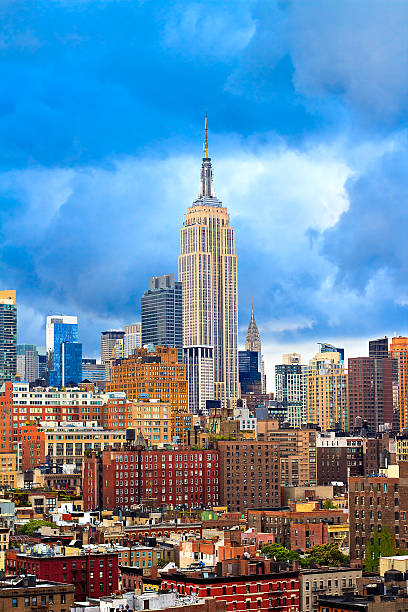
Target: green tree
[[327, 554], [279, 553], [328, 505], [381, 544], [32, 526]]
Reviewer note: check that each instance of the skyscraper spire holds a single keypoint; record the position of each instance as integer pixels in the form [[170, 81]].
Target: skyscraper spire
[[206, 139], [253, 339], [207, 189]]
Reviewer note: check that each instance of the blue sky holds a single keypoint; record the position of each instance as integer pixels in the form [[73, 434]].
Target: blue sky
[[101, 120]]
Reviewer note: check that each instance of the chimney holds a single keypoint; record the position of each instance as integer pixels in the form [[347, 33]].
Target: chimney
[[154, 571], [244, 567]]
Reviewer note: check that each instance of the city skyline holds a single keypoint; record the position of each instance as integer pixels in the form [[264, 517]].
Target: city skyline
[[315, 136]]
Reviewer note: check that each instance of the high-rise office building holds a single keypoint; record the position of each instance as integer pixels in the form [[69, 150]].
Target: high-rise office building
[[27, 362], [250, 380], [253, 338], [162, 319], [92, 371], [399, 352], [71, 363], [42, 366], [199, 362], [208, 271], [250, 376], [60, 329], [378, 348], [108, 341], [289, 382], [8, 335], [132, 339]]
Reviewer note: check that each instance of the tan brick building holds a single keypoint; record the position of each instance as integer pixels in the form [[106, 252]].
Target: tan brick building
[[28, 593], [157, 374], [297, 451], [249, 474]]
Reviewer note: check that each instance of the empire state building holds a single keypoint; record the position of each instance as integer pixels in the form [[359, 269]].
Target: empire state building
[[208, 271]]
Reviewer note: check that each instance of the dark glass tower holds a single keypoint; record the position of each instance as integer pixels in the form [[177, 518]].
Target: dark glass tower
[[250, 377], [8, 335], [162, 314], [378, 348]]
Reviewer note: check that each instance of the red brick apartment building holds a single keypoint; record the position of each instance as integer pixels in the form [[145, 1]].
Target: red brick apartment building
[[94, 574], [168, 477], [243, 584]]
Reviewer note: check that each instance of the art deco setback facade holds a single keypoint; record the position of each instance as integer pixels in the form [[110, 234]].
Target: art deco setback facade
[[208, 271]]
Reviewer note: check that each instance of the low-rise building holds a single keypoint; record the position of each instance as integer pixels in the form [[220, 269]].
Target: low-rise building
[[92, 572], [297, 527], [23, 593], [326, 581], [8, 470], [140, 556], [243, 584], [166, 602]]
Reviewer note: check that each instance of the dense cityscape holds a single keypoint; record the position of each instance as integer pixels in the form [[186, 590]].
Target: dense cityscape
[[203, 355], [166, 475]]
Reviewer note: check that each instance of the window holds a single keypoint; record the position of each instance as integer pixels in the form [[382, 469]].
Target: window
[[27, 602], [62, 597], [248, 604], [14, 602]]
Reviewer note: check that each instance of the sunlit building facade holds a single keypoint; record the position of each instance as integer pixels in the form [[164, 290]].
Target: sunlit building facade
[[208, 271]]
